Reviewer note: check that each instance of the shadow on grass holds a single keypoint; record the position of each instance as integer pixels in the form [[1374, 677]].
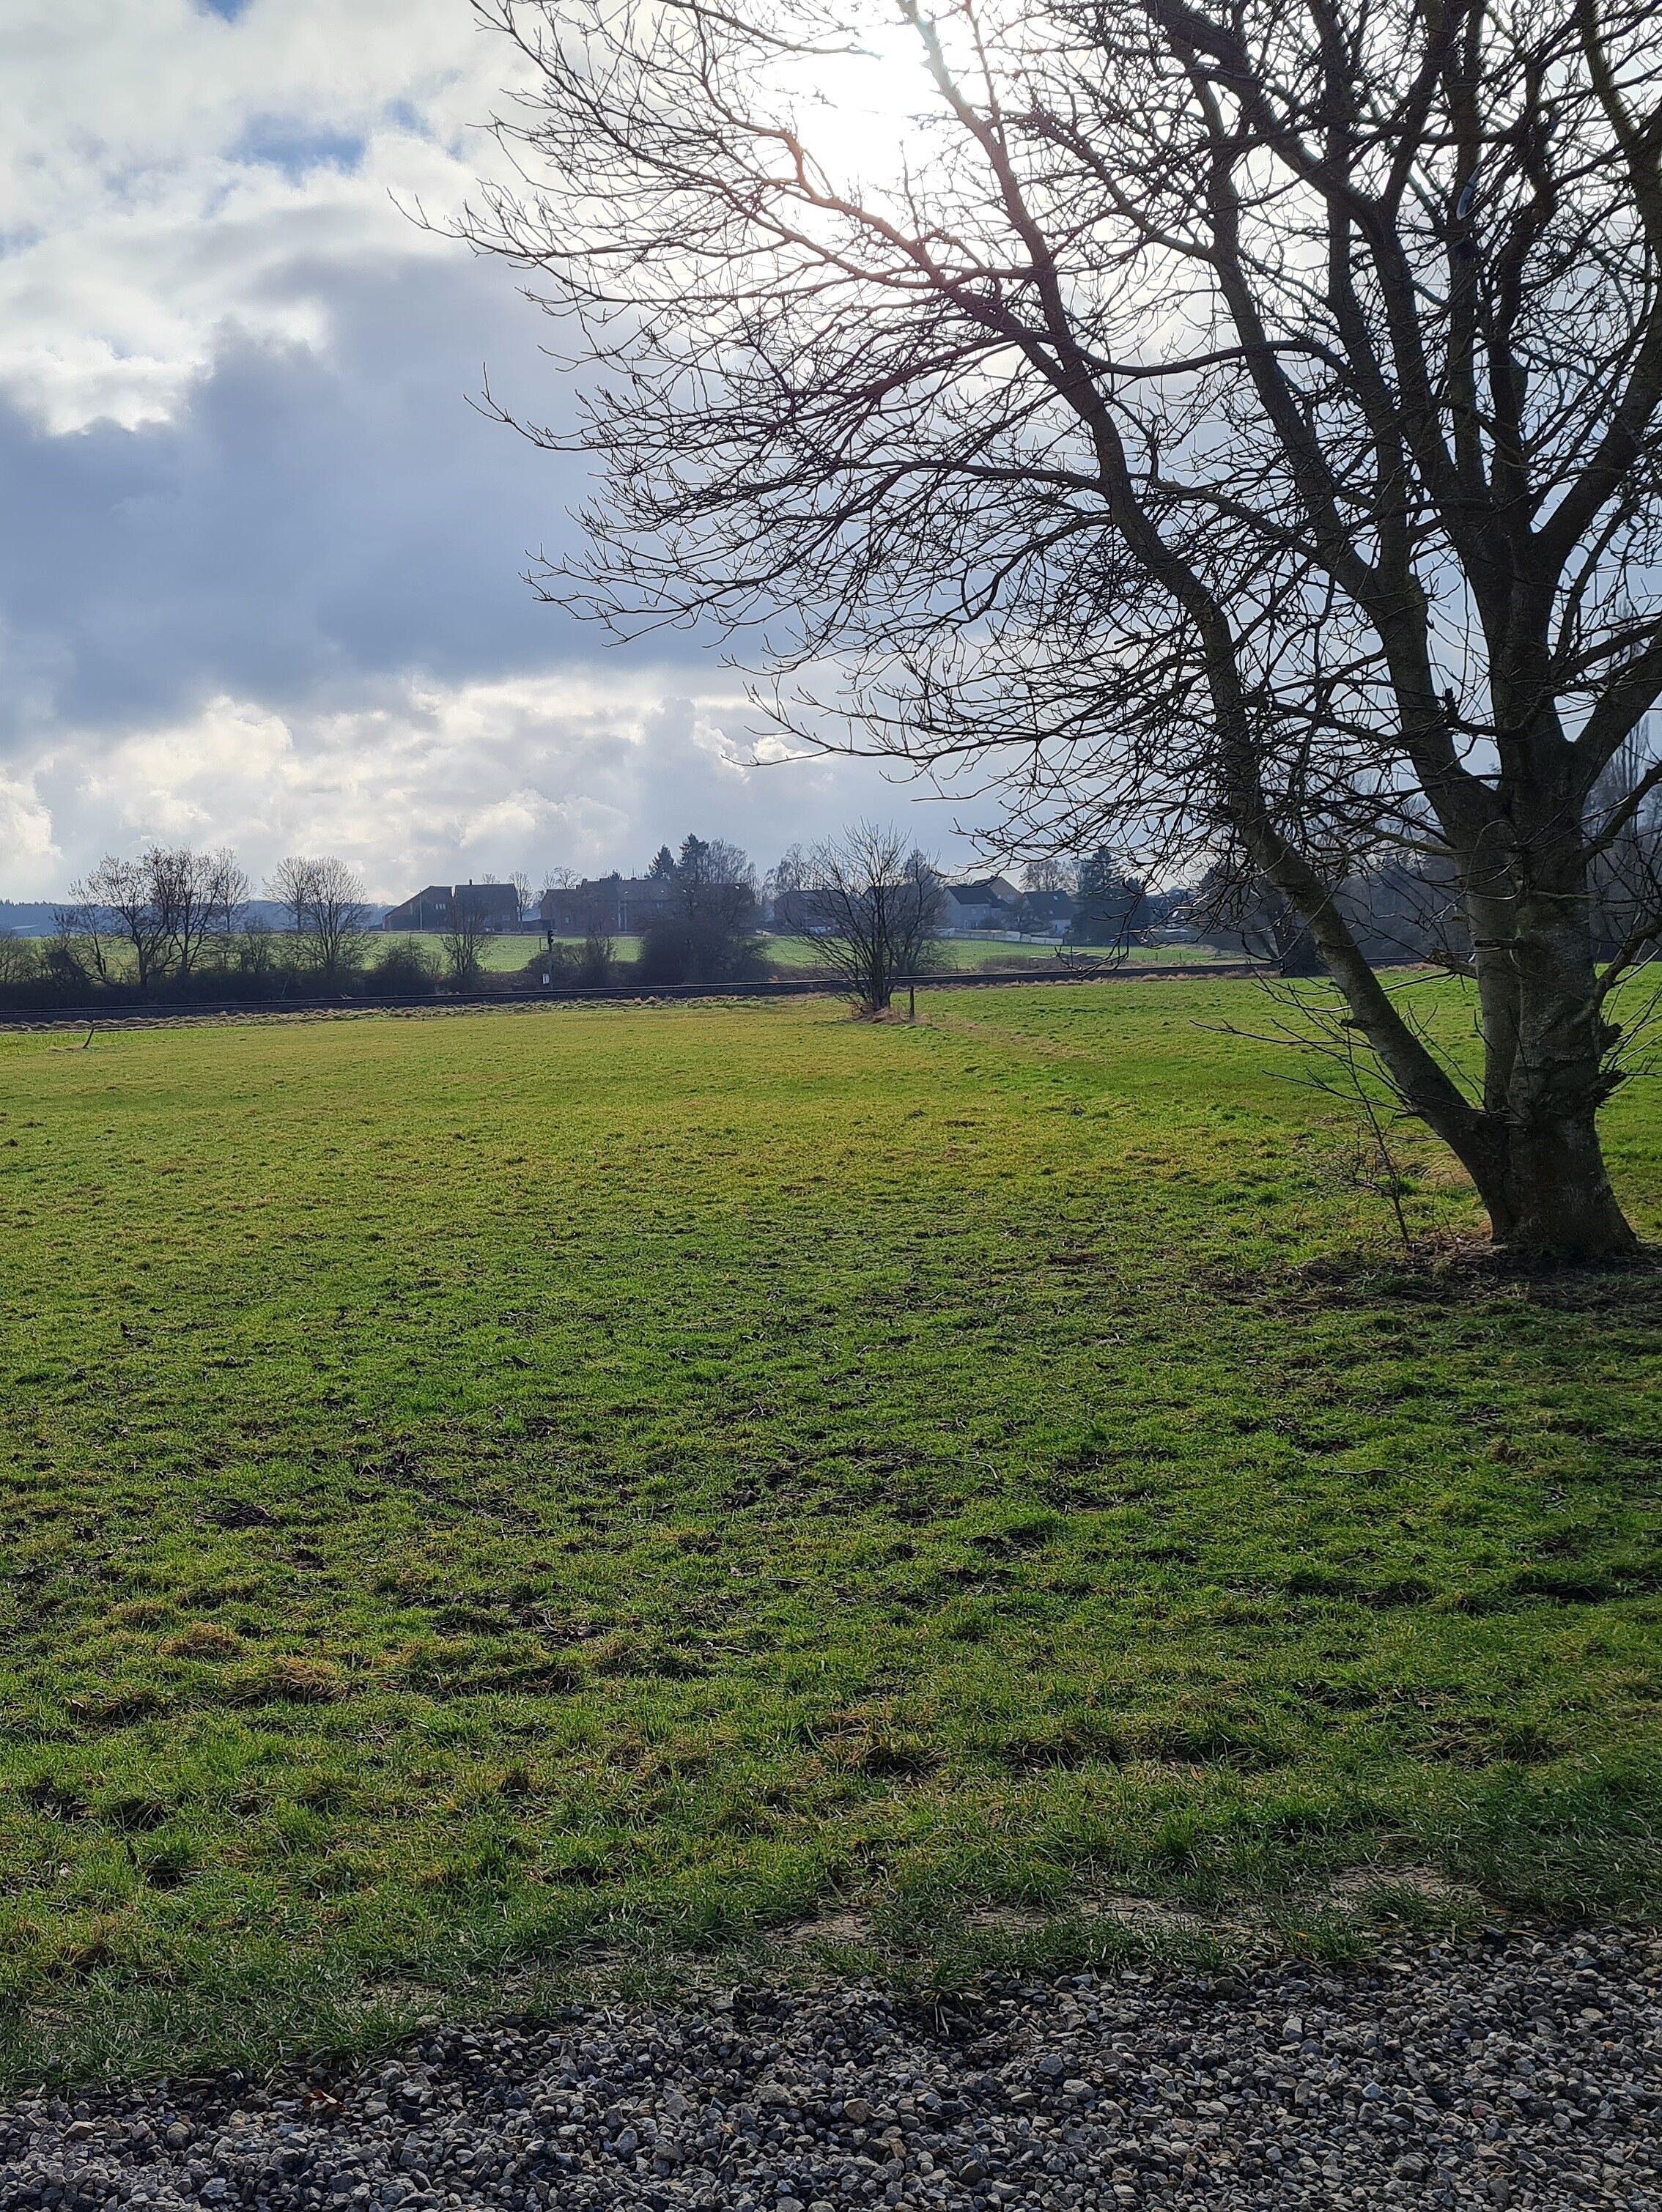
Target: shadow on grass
[[1457, 1271]]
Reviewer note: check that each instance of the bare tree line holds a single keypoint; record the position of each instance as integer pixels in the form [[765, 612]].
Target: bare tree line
[[164, 909], [177, 921], [162, 920]]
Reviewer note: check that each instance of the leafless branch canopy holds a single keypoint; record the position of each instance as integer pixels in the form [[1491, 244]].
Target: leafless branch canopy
[[324, 897], [1230, 429], [164, 908], [873, 905]]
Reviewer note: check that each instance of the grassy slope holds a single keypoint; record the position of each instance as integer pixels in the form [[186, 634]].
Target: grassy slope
[[789, 952], [503, 955], [509, 954], [478, 1483]]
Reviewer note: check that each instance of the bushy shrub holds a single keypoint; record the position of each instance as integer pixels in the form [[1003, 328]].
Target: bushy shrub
[[404, 969], [20, 971], [44, 975], [584, 967], [680, 949]]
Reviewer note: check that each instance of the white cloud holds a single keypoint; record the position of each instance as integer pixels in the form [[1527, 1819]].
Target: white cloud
[[259, 581], [425, 782], [162, 169], [28, 854]]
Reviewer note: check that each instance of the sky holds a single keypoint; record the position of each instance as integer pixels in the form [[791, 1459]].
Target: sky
[[260, 561]]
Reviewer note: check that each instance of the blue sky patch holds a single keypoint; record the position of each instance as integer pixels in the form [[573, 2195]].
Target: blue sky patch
[[285, 142]]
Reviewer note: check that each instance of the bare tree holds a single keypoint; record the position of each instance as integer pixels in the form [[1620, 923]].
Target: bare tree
[[20, 966], [338, 925], [79, 931], [1627, 871], [784, 891], [254, 951], [1050, 872], [231, 892], [324, 899], [464, 942], [199, 896], [289, 885], [703, 934], [715, 885], [875, 905], [124, 899], [1239, 424]]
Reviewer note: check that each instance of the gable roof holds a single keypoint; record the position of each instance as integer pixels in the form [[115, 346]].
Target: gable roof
[[990, 891]]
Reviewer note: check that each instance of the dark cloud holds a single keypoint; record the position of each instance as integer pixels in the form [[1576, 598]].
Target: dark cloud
[[287, 610], [310, 518]]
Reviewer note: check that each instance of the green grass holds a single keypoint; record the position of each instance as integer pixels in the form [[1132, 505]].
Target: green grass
[[786, 953], [478, 1487], [498, 956], [509, 954]]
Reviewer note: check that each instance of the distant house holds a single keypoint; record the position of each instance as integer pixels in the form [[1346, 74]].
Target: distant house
[[1044, 914], [798, 914], [991, 903], [616, 906], [496, 905], [428, 909]]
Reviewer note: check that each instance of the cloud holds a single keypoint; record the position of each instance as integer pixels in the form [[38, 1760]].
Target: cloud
[[260, 581], [420, 781], [162, 167], [307, 516]]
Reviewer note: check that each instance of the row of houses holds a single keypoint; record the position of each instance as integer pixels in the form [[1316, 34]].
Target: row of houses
[[989, 903], [624, 906], [612, 906]]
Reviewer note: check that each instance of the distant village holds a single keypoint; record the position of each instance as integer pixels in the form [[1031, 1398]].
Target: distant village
[[616, 905], [177, 923]]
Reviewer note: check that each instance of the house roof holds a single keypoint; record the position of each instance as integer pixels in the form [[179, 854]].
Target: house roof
[[484, 898]]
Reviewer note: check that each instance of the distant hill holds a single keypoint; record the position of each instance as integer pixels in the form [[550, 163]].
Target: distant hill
[[25, 917], [33, 917]]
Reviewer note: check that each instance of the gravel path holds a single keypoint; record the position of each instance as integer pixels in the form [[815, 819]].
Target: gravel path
[[1506, 2071]]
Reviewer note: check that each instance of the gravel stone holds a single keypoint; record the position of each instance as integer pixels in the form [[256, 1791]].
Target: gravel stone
[[1515, 2071]]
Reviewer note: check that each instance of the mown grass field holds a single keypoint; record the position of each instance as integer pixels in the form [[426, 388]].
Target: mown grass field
[[481, 1487]]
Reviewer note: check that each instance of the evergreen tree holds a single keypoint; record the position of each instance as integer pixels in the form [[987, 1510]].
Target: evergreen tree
[[1113, 905]]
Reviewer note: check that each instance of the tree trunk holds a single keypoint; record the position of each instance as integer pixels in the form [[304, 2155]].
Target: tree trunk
[[1533, 1148], [1555, 1200], [1541, 1173]]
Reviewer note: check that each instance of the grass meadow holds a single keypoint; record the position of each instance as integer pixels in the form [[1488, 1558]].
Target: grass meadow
[[510, 954], [485, 1492]]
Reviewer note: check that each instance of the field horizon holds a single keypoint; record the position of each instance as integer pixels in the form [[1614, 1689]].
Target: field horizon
[[491, 1495]]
